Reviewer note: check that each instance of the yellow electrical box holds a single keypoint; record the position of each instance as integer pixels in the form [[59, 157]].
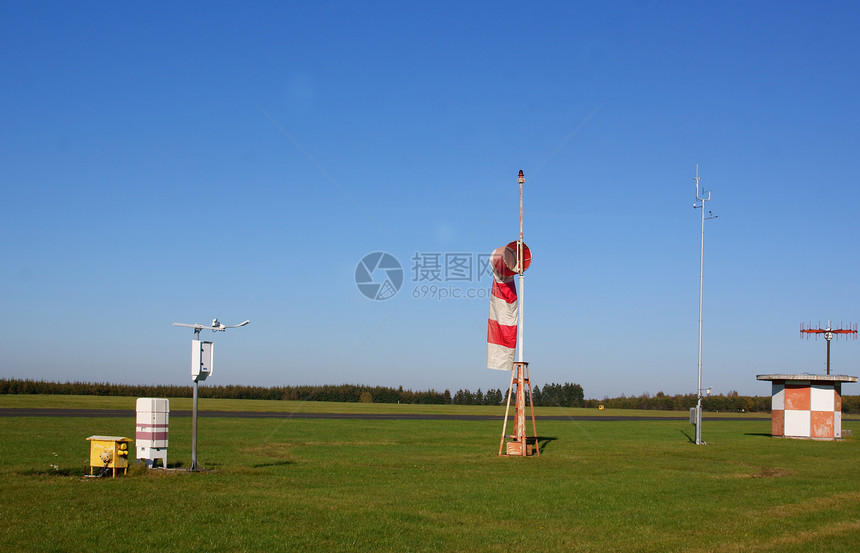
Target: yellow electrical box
[[109, 452]]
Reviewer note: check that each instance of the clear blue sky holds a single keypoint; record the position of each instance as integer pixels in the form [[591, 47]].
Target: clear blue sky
[[164, 163]]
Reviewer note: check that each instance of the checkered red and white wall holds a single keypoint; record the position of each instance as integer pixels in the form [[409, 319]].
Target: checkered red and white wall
[[804, 409]]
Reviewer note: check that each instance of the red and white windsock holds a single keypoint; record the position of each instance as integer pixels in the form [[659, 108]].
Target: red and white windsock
[[502, 324]]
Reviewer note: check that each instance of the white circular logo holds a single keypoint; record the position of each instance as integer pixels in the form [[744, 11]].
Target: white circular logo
[[379, 275]]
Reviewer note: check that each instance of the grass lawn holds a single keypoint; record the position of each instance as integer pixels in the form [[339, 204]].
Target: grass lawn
[[353, 485]]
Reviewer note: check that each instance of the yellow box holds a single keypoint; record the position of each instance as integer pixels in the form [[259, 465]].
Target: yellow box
[[109, 452]]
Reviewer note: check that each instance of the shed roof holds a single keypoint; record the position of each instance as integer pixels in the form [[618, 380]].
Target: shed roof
[[809, 377]]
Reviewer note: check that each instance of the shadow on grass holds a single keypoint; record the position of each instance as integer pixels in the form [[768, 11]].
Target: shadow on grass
[[543, 441], [274, 464], [55, 471], [692, 439]]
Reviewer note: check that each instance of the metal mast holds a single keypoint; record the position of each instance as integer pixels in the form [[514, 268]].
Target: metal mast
[[521, 269], [701, 198]]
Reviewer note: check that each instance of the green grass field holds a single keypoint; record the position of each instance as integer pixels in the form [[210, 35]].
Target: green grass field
[[353, 485]]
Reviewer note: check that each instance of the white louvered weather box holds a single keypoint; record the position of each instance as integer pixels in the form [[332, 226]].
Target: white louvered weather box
[[151, 430]]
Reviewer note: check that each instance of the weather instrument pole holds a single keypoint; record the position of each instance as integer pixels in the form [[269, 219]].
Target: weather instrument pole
[[829, 334], [701, 198], [201, 367]]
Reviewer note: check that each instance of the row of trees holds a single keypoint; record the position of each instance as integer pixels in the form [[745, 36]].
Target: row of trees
[[551, 395], [491, 397], [728, 403], [732, 402], [340, 393], [563, 395], [559, 395]]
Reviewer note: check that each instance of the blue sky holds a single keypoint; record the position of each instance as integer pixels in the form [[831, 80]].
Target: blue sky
[[164, 163]]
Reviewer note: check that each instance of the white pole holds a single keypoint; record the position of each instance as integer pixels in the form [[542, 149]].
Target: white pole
[[520, 265], [701, 286], [701, 199], [194, 465], [520, 323]]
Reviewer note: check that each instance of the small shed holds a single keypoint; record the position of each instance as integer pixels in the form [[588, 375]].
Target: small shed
[[806, 405]]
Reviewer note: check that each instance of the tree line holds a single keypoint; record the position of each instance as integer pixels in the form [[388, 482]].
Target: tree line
[[731, 402], [562, 395], [550, 395], [339, 393]]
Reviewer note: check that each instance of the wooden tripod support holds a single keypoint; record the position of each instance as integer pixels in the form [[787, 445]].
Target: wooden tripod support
[[519, 443]]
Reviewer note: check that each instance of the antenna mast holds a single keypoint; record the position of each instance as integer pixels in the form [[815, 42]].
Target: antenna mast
[[829, 334]]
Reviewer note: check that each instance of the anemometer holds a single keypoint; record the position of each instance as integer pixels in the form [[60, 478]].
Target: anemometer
[[202, 353]]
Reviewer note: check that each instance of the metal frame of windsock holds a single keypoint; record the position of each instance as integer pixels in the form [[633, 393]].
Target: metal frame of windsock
[[505, 338]]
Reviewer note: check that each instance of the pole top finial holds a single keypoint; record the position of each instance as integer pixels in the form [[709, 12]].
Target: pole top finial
[[520, 178]]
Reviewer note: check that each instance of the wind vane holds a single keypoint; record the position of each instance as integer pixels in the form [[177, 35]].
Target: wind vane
[[829, 333]]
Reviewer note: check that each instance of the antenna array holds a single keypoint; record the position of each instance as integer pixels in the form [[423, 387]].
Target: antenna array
[[829, 333], [806, 330]]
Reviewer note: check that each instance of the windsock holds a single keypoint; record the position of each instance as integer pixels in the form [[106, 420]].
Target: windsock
[[502, 324]]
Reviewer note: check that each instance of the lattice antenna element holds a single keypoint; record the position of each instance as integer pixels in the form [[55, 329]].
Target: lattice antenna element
[[849, 331]]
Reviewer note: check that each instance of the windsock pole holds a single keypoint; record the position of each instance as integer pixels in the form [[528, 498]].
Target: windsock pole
[[520, 265], [519, 368], [519, 444], [523, 368]]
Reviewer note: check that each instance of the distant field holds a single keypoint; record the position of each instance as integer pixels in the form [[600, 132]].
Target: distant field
[[352, 485], [209, 404]]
